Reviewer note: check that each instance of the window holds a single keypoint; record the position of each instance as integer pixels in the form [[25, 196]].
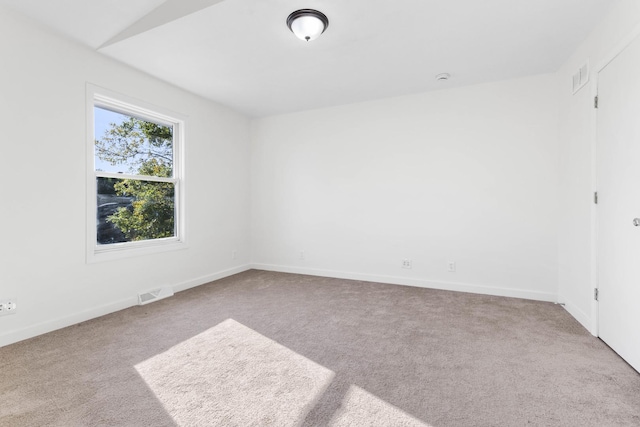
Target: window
[[135, 178]]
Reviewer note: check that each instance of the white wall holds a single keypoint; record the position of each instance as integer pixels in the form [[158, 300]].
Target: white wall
[[466, 175], [42, 249], [577, 132]]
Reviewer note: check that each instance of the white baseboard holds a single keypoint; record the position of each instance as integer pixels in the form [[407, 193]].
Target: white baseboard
[[84, 315], [62, 322], [88, 314], [421, 283], [210, 278], [579, 315]]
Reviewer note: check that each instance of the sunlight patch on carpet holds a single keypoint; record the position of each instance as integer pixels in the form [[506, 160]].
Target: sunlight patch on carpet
[[231, 375], [361, 408]]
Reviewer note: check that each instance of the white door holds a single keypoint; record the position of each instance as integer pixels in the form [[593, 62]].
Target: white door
[[618, 177]]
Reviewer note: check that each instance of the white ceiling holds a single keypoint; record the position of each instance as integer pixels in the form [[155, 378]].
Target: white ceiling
[[240, 52]]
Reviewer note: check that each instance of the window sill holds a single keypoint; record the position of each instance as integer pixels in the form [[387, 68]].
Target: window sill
[[117, 251]]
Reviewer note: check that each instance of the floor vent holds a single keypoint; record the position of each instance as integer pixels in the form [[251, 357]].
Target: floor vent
[[154, 295]]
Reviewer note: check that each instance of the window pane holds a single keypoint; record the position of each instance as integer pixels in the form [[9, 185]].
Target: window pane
[[131, 210], [126, 144]]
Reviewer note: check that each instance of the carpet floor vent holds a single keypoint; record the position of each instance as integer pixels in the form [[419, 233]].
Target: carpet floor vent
[[154, 295]]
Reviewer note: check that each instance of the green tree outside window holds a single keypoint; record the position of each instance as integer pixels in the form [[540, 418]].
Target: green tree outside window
[[144, 149]]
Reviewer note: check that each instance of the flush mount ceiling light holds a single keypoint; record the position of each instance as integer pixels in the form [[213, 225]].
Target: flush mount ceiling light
[[307, 24]]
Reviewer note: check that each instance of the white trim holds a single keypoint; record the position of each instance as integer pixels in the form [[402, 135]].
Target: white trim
[[103, 174], [406, 281], [579, 315], [607, 59], [118, 251], [592, 325], [92, 313], [617, 49], [62, 322], [101, 97], [210, 278], [129, 106]]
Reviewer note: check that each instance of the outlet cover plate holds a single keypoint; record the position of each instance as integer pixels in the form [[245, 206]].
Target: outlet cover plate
[[8, 306]]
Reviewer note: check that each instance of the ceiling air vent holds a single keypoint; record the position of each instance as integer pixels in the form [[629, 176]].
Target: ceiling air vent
[[581, 78]]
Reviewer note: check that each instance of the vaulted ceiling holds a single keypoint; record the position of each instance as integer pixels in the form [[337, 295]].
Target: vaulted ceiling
[[240, 52]]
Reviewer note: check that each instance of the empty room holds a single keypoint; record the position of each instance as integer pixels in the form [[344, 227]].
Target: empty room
[[320, 213]]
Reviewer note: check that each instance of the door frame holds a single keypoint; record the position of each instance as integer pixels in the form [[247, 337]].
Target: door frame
[[595, 74]]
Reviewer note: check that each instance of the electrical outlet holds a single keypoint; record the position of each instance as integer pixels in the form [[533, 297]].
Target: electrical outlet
[[451, 267], [407, 263], [8, 306], [234, 254], [302, 257]]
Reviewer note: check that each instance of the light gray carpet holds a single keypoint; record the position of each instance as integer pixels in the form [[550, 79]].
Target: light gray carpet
[[274, 349]]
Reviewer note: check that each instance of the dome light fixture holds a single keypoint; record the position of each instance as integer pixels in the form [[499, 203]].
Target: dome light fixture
[[307, 24]]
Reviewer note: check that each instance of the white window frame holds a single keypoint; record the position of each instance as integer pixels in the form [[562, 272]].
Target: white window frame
[[103, 98]]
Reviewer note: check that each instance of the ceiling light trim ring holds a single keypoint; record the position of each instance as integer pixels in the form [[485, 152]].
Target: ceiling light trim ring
[[311, 13]]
